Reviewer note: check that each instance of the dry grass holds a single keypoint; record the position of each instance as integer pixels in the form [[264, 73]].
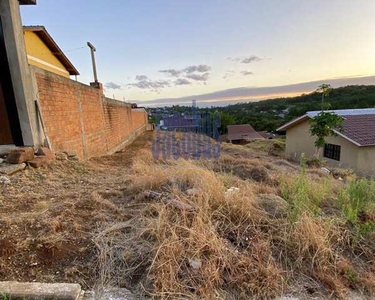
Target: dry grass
[[224, 235], [228, 247], [58, 223]]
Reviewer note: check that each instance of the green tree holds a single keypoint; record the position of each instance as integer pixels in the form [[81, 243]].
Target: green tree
[[152, 120], [225, 120], [323, 125], [325, 90]]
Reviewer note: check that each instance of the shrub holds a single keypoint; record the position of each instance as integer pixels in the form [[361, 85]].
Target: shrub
[[357, 202], [305, 195], [357, 199]]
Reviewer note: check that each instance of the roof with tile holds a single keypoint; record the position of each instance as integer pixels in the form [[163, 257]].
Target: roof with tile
[[358, 126], [242, 132]]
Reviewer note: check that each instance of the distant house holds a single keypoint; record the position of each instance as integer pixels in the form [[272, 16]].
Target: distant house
[[241, 134], [354, 147], [268, 135], [43, 52]]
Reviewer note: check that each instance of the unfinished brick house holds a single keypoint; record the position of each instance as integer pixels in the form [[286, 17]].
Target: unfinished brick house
[[39, 102]]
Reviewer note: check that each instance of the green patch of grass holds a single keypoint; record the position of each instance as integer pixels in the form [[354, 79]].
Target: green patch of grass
[[357, 198], [303, 194], [352, 276], [357, 202]]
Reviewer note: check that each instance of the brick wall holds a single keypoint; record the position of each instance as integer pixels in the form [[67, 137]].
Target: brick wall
[[78, 117]]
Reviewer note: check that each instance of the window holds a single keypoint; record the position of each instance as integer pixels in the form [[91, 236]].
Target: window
[[332, 151]]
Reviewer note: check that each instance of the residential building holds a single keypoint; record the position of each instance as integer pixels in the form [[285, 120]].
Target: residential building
[[242, 134], [43, 52], [353, 147]]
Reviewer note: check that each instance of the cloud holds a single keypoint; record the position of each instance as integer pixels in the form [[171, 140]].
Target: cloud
[[247, 73], [229, 73], [112, 86], [187, 70], [198, 77], [246, 94], [182, 81], [246, 60], [233, 58], [171, 72], [146, 83], [199, 69], [251, 59], [198, 73], [141, 77]]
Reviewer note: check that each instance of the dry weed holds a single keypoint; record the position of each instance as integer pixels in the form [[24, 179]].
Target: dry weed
[[227, 247]]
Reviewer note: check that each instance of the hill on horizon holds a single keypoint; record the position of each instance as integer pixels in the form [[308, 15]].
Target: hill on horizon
[[268, 115]]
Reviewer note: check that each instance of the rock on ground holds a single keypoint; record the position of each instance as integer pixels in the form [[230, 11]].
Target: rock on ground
[[273, 204], [4, 180], [8, 169], [43, 151], [71, 153]]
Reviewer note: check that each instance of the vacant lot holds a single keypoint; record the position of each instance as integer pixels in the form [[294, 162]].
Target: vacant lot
[[247, 224], [48, 217]]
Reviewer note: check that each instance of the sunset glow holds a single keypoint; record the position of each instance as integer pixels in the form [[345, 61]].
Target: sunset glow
[[149, 50]]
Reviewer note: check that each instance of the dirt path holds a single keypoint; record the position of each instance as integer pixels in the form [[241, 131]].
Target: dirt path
[[48, 216], [125, 157]]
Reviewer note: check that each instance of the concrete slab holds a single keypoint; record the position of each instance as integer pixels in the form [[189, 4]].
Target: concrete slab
[[28, 290], [5, 149], [9, 169]]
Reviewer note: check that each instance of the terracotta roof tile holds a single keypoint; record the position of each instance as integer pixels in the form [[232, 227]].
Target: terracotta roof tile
[[360, 128], [242, 132]]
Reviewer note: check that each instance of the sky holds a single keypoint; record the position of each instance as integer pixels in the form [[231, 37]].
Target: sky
[[164, 52]]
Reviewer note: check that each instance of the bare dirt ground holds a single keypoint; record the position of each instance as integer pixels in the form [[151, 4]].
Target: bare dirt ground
[[48, 217]]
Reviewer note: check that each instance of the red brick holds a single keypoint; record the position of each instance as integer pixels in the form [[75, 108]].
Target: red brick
[[39, 161], [20, 155]]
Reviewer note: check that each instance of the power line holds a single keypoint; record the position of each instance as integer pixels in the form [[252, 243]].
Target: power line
[[66, 51]]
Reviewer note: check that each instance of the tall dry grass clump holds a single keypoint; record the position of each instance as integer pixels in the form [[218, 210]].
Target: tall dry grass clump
[[217, 250]]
